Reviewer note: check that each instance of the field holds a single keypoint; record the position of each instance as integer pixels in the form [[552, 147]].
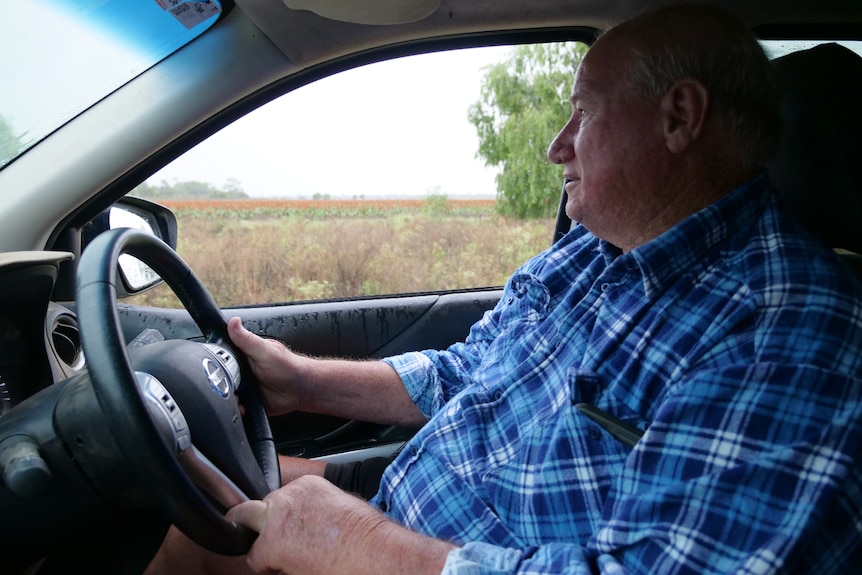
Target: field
[[265, 251]]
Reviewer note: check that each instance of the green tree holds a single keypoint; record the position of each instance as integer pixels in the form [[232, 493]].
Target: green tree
[[522, 105], [436, 202], [10, 144]]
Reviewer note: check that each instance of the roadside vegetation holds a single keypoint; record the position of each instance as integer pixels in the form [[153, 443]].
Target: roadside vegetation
[[267, 251]]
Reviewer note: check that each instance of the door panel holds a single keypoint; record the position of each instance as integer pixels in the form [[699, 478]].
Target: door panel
[[357, 328]]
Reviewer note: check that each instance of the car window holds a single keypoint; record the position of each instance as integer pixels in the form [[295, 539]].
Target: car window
[[778, 48], [369, 182]]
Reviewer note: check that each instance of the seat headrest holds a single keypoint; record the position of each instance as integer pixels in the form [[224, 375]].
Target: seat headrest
[[818, 167]]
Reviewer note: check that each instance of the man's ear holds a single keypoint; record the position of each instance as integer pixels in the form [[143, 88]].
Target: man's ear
[[684, 109]]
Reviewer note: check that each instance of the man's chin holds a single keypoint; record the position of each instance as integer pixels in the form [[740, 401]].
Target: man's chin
[[573, 210]]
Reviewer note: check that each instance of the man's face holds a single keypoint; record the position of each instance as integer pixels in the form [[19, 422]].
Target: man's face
[[607, 148]]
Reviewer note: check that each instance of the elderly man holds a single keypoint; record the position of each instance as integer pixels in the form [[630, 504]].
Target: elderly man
[[671, 388]]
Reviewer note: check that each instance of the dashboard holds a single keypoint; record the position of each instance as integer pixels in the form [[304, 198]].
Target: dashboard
[[39, 341]]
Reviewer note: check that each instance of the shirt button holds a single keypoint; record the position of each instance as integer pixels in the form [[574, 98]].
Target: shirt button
[[605, 286], [498, 394], [510, 300], [594, 433]]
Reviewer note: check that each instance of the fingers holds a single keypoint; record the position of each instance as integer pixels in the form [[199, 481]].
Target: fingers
[[251, 514], [271, 364]]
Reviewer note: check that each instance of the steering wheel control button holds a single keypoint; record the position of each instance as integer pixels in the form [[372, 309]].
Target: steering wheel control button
[[25, 473], [165, 412]]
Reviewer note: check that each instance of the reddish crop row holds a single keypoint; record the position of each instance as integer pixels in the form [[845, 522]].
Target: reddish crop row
[[334, 207]]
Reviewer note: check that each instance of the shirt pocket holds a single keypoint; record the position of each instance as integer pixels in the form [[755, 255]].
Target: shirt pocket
[[525, 302]]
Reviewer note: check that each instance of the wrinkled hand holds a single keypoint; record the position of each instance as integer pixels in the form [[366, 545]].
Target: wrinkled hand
[[273, 364], [312, 527]]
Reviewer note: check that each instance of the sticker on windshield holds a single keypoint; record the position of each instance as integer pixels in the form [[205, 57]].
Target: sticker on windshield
[[192, 13]]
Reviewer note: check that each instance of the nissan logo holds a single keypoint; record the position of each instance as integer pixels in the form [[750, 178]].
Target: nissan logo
[[216, 376]]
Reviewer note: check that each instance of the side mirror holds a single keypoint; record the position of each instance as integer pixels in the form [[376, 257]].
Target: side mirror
[[128, 211], [136, 275], [140, 214]]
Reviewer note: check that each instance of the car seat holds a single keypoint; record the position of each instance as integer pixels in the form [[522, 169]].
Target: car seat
[[818, 167]]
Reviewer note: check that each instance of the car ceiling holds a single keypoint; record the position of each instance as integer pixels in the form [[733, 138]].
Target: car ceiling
[[308, 38]]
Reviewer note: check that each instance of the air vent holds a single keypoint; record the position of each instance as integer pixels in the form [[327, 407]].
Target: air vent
[[67, 340]]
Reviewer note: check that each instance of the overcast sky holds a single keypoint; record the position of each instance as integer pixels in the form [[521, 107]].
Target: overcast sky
[[392, 128]]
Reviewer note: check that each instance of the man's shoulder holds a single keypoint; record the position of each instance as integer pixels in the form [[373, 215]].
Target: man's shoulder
[[779, 258], [781, 246]]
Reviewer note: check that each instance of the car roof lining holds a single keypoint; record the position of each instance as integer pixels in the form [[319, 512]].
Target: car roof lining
[[308, 38]]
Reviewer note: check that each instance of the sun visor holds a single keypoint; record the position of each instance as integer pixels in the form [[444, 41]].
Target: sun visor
[[374, 12]]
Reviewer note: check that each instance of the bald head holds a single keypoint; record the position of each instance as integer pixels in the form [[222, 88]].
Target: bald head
[[670, 111], [715, 48]]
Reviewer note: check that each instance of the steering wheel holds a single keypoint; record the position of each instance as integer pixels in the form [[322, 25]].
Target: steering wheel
[[170, 405]]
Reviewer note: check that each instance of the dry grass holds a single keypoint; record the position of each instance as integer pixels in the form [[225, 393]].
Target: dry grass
[[266, 255]]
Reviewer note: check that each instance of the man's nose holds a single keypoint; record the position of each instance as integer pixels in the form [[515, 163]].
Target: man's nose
[[562, 147]]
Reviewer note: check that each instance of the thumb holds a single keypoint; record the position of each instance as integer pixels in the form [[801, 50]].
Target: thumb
[[251, 514], [239, 335]]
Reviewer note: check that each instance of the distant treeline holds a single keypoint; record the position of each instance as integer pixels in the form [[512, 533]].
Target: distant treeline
[[232, 190]]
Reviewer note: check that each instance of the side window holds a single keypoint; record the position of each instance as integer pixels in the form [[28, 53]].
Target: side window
[[374, 181], [777, 48]]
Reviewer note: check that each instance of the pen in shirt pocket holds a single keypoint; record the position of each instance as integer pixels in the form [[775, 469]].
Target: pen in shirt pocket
[[625, 433]]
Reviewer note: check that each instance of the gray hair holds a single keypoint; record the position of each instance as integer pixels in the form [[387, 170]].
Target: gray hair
[[715, 48]]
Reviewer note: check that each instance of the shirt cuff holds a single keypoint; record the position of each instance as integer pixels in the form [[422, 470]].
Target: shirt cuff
[[419, 376], [478, 558]]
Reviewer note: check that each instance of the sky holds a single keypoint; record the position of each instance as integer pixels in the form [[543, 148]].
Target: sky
[[52, 36], [396, 128]]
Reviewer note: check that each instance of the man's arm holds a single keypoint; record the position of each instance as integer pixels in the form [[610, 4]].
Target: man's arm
[[311, 527], [366, 390]]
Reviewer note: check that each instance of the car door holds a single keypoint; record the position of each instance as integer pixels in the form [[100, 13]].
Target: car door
[[342, 269]]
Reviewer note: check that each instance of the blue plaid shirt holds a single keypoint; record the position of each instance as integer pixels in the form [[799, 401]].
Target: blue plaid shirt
[[733, 340]]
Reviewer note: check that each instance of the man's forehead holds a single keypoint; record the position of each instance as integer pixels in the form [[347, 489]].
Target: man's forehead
[[586, 80], [601, 69]]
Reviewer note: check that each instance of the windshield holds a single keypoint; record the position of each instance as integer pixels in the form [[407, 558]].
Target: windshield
[[62, 56]]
